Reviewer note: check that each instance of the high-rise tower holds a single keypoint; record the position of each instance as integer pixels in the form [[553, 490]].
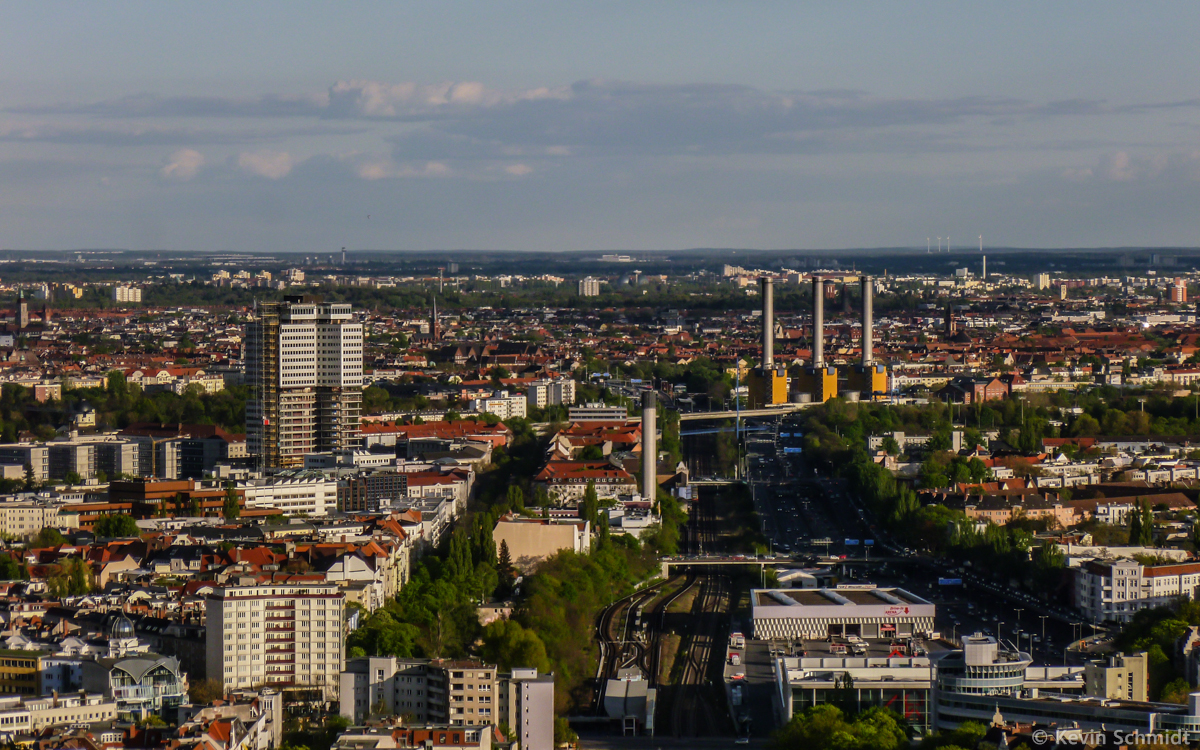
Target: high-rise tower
[[304, 366]]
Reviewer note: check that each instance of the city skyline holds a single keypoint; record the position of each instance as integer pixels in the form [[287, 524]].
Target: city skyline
[[525, 126]]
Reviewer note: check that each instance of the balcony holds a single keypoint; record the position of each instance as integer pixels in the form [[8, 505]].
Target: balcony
[[133, 693]]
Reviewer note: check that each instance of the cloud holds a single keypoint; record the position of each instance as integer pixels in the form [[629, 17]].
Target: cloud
[[1125, 167], [270, 164], [129, 134], [381, 169], [184, 164], [518, 170]]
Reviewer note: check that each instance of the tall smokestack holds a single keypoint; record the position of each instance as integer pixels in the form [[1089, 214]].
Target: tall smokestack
[[818, 322], [767, 286], [985, 268], [868, 321], [649, 446]]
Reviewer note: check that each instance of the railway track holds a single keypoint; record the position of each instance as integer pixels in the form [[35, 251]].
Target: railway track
[[619, 633], [693, 705]]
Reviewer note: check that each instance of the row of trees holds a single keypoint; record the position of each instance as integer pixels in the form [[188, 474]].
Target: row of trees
[[951, 533]]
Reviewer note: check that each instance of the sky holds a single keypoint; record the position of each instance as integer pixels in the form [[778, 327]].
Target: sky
[[312, 126]]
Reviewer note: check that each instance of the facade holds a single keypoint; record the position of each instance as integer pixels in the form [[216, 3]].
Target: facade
[[589, 287], [26, 518], [304, 363], [370, 492], [141, 684], [1179, 292], [526, 703], [289, 636], [556, 392], [1116, 591], [1121, 677], [985, 678], [292, 492], [462, 693], [28, 715], [501, 404], [531, 540], [36, 457], [21, 672], [597, 413], [863, 611], [126, 294], [566, 481]]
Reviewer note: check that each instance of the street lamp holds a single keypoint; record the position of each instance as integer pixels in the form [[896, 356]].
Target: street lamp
[[999, 630], [1017, 626], [1043, 617]]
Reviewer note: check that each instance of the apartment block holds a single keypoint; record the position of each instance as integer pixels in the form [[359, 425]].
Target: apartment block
[[304, 364], [25, 518], [1119, 677], [1116, 591], [557, 392], [526, 703], [37, 457], [289, 636], [501, 404], [458, 693], [589, 287], [126, 294]]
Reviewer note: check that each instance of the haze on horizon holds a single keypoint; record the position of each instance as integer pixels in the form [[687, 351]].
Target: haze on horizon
[[563, 126]]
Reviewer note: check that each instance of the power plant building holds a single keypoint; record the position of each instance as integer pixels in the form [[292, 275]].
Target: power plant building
[[768, 384]]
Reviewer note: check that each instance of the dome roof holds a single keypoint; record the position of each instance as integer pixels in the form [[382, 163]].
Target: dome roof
[[121, 627]]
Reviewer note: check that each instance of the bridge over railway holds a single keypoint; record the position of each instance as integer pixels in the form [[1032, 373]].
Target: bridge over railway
[[709, 561]]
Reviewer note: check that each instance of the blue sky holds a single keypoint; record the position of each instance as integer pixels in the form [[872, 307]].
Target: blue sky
[[570, 126]]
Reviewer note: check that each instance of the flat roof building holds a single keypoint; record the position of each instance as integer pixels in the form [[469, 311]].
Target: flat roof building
[[864, 611]]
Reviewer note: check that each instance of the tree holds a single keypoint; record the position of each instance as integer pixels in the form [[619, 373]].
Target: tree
[[72, 578], [203, 692], [1147, 524], [117, 386], [115, 526], [30, 479], [890, 446], [48, 537], [194, 509], [232, 509], [515, 498], [1135, 527], [825, 727], [10, 569], [504, 566], [589, 506], [509, 645]]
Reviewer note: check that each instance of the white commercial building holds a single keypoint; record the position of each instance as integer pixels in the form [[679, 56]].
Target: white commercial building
[[589, 287], [596, 412], [848, 610], [292, 492], [289, 636], [24, 715]]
